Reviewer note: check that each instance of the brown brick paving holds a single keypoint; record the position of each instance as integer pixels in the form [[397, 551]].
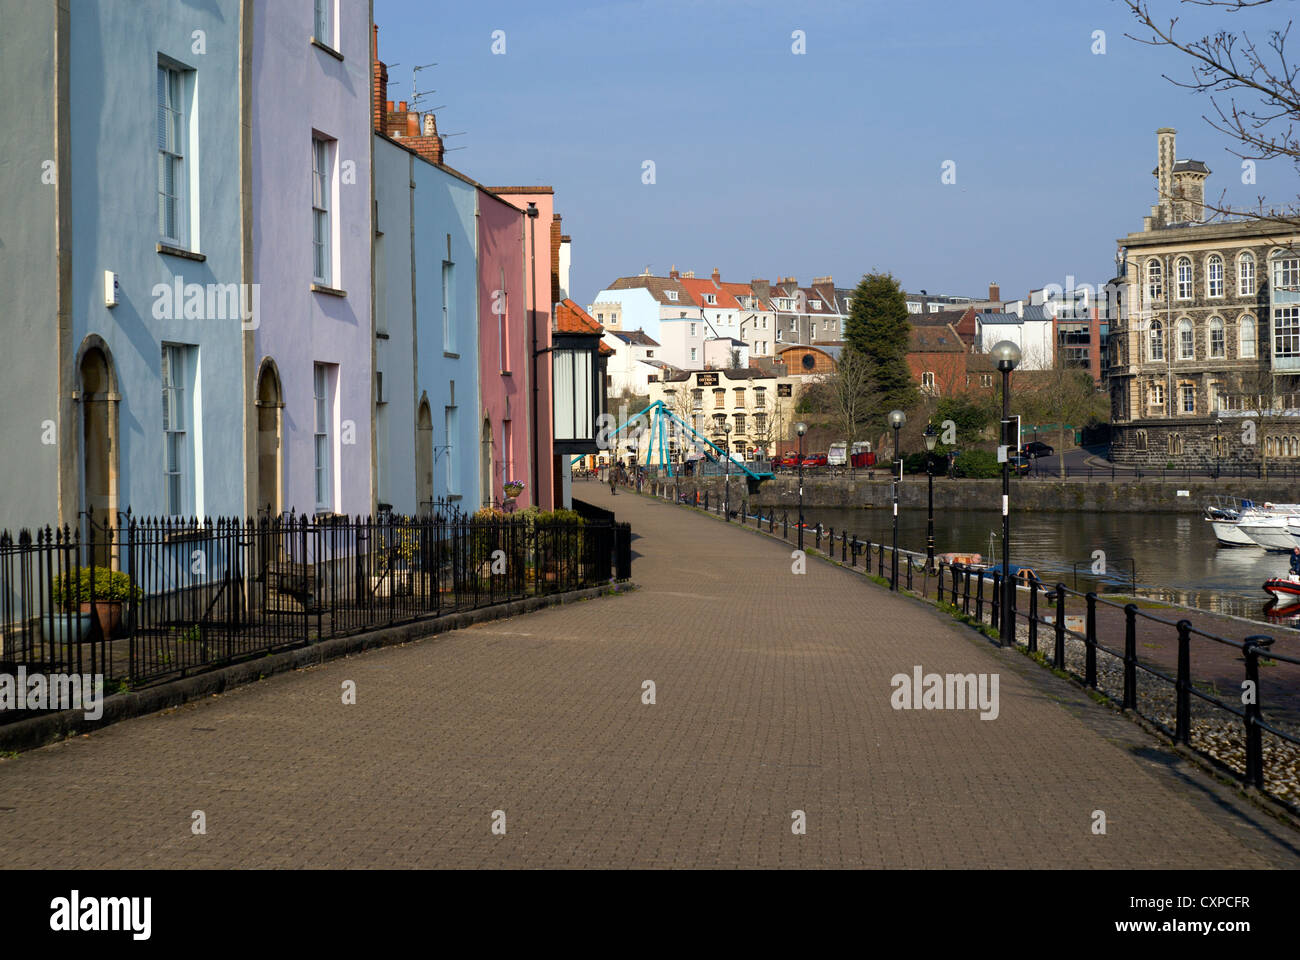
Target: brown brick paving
[[773, 696]]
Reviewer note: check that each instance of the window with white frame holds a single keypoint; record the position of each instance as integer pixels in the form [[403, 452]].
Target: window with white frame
[[1184, 272], [692, 329], [1157, 394], [672, 294], [1286, 332], [927, 381], [1286, 273], [1246, 337], [692, 354], [711, 298], [173, 172], [1217, 341], [177, 423], [1246, 275], [1188, 398], [913, 306], [448, 308], [322, 186], [1186, 340], [1155, 281], [1156, 341], [1214, 276], [323, 27], [323, 436]]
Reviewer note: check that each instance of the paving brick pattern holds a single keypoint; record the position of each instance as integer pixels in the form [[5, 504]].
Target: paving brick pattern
[[772, 696]]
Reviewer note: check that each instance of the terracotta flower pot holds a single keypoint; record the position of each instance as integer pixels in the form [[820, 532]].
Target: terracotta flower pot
[[109, 614]]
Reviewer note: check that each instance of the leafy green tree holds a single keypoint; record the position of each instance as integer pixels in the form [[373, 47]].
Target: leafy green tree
[[878, 329]]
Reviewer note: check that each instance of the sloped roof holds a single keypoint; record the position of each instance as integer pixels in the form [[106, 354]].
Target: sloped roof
[[935, 339], [995, 318], [698, 288], [639, 337], [571, 318], [658, 288]]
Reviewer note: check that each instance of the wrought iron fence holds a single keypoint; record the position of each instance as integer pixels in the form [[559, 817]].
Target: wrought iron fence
[[156, 598]]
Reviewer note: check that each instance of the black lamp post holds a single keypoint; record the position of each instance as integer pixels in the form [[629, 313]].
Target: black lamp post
[[801, 428], [931, 438], [1218, 446], [1006, 355], [726, 496], [896, 420]]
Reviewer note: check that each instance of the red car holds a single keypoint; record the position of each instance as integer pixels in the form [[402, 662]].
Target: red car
[[786, 460], [814, 460]]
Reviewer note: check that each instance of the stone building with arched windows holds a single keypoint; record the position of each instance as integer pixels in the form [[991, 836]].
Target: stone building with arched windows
[[1208, 335]]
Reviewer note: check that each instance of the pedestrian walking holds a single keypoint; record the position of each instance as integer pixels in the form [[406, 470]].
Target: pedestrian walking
[[612, 491]]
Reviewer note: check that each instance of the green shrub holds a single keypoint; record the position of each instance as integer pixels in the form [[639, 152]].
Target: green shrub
[[978, 465], [111, 586]]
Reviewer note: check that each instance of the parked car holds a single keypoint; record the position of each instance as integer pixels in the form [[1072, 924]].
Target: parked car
[[786, 460], [1020, 466], [1036, 448], [814, 460]]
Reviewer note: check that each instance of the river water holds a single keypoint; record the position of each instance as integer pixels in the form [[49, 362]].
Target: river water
[[1172, 557]]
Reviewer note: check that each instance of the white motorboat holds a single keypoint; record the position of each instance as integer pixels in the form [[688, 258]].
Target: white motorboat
[[1224, 517], [1271, 526]]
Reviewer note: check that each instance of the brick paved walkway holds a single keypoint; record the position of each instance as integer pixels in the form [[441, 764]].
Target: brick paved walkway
[[773, 696]]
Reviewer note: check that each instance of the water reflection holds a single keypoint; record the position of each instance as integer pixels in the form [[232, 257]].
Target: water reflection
[[1170, 556]]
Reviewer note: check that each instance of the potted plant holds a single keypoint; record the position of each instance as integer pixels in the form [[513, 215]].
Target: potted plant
[[512, 488], [97, 591]]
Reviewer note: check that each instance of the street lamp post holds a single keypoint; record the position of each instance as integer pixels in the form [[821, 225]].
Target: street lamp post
[[896, 420], [726, 496], [1218, 446], [931, 438], [801, 428], [1006, 355]]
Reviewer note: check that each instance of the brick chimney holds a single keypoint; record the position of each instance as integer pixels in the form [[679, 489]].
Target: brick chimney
[[995, 292], [673, 274], [556, 233], [716, 275], [379, 85]]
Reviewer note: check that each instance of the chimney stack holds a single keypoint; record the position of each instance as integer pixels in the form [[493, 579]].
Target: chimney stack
[[995, 292], [1165, 154], [716, 275], [673, 274], [379, 84]]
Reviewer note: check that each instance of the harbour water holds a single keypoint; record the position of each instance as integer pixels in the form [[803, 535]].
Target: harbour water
[[1171, 557]]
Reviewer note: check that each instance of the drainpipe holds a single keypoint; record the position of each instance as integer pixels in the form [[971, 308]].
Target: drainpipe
[[532, 213]]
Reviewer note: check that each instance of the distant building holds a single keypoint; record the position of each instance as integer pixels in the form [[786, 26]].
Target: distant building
[[1208, 331]]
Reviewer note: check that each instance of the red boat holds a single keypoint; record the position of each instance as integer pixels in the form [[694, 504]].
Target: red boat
[[1285, 590]]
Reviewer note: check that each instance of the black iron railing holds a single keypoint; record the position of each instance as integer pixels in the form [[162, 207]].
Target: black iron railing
[[153, 599]]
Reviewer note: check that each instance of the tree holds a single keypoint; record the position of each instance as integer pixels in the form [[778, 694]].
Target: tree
[[1065, 395], [849, 388], [1262, 398], [878, 329], [771, 429], [735, 358], [1252, 88]]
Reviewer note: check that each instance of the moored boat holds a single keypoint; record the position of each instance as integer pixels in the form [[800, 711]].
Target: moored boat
[[1285, 590]]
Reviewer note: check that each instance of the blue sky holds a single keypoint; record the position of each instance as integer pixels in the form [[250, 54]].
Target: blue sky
[[769, 163]]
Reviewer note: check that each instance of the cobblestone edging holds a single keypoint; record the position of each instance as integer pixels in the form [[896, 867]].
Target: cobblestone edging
[[1213, 735], [50, 728]]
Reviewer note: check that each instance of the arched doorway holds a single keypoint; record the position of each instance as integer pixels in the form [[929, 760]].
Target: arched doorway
[[424, 458], [98, 429], [270, 403], [485, 465]]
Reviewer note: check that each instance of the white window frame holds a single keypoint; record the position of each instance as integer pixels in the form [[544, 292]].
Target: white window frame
[[177, 430], [323, 23], [1155, 280], [322, 438], [322, 190], [1247, 333], [1186, 339], [1246, 275], [1156, 341], [1286, 273], [1214, 276], [448, 308], [1216, 325], [1187, 398], [1183, 272], [1157, 395], [173, 140], [1286, 332]]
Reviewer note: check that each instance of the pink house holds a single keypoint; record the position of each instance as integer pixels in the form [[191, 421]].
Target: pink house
[[504, 352], [538, 265]]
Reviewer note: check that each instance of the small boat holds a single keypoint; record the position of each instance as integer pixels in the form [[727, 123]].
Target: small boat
[[1285, 590], [1269, 526], [1224, 518], [971, 560]]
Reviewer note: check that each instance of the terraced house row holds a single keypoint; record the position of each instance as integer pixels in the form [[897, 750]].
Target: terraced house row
[[240, 280]]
